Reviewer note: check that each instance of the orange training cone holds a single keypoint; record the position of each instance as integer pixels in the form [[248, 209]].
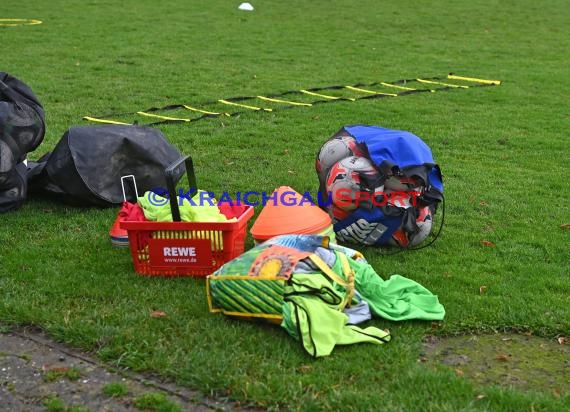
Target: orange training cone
[[288, 212]]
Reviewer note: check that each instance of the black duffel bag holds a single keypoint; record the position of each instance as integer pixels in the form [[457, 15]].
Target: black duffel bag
[[22, 129], [86, 166]]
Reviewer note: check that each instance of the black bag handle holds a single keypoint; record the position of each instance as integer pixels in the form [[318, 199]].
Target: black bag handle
[[172, 172], [16, 95], [11, 94]]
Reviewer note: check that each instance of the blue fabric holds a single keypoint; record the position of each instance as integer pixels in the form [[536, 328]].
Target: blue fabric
[[434, 178], [388, 148], [398, 147]]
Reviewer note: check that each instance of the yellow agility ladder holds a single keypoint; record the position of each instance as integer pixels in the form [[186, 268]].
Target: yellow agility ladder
[[19, 22], [186, 113]]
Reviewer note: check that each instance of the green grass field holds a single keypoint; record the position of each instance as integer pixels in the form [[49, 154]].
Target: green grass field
[[503, 152]]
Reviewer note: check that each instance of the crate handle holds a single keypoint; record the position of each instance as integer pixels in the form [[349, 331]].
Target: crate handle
[[172, 173], [123, 186]]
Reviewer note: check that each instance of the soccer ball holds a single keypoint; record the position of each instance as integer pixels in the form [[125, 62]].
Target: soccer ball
[[338, 214], [399, 238], [347, 178], [335, 149]]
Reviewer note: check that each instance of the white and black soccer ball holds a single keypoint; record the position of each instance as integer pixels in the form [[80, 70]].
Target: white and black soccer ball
[[335, 149], [346, 180]]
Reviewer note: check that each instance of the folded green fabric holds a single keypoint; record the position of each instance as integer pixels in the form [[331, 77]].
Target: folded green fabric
[[397, 298]]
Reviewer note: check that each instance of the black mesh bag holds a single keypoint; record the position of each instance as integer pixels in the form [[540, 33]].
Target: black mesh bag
[[22, 129]]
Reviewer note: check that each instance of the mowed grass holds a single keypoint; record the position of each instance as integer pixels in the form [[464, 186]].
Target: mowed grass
[[503, 152]]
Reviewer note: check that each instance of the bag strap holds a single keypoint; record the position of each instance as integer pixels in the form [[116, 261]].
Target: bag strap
[[9, 93]]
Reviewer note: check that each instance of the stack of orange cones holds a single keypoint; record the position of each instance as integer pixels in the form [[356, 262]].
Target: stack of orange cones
[[287, 212], [119, 237]]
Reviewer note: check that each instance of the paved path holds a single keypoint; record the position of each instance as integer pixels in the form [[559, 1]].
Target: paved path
[[29, 361]]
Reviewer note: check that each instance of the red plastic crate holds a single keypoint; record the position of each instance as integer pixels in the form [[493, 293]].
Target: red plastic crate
[[185, 248]]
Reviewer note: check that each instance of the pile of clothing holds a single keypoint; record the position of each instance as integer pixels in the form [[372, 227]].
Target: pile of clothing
[[318, 291]]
